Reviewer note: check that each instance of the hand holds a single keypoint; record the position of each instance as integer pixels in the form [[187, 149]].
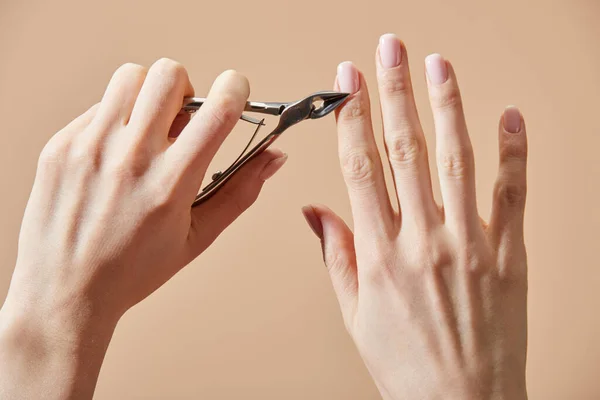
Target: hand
[[434, 298], [110, 220]]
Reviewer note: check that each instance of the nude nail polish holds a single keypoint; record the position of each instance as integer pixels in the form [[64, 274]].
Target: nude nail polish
[[437, 70], [390, 51], [512, 119], [347, 77]]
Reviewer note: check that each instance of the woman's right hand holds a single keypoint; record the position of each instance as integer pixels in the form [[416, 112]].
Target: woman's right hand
[[434, 298]]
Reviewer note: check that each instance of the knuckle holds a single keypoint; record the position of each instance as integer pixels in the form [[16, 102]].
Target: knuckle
[[429, 251], [513, 151], [470, 258], [404, 149], [511, 193], [168, 67], [393, 83], [53, 152], [380, 274], [448, 99], [513, 277], [457, 164], [359, 166], [354, 110], [118, 170], [435, 259], [84, 156], [127, 167]]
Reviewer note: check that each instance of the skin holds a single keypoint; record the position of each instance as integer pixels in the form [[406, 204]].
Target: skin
[[434, 298], [109, 221]]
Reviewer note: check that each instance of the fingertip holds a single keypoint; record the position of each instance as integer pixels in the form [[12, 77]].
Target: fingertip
[[321, 210], [271, 154], [329, 219], [276, 160], [233, 80]]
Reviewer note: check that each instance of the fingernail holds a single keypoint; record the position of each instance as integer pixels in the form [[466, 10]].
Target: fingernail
[[348, 77], [272, 167], [512, 119], [390, 51], [313, 221], [437, 70]]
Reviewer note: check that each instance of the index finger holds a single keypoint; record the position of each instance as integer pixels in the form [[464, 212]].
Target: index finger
[[360, 159]]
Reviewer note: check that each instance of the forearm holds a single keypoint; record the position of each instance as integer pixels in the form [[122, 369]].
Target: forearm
[[54, 354]]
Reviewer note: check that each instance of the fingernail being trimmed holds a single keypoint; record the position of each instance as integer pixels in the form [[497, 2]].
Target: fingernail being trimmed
[[347, 76]]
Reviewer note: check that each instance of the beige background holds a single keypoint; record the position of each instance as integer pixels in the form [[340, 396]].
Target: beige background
[[254, 317]]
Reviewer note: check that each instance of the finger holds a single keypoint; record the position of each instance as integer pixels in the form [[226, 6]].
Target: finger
[[239, 193], [361, 164], [121, 94], [197, 144], [337, 243], [405, 142], [511, 186], [160, 100], [454, 152]]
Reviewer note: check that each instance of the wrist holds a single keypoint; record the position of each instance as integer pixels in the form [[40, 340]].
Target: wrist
[[59, 322], [510, 389], [50, 350]]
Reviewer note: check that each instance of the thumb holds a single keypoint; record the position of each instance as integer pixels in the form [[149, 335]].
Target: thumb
[[236, 196], [337, 243]]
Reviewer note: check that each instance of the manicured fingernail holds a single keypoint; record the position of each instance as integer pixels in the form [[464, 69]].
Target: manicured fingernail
[[390, 51], [437, 70], [512, 119], [313, 221], [347, 76], [273, 166]]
